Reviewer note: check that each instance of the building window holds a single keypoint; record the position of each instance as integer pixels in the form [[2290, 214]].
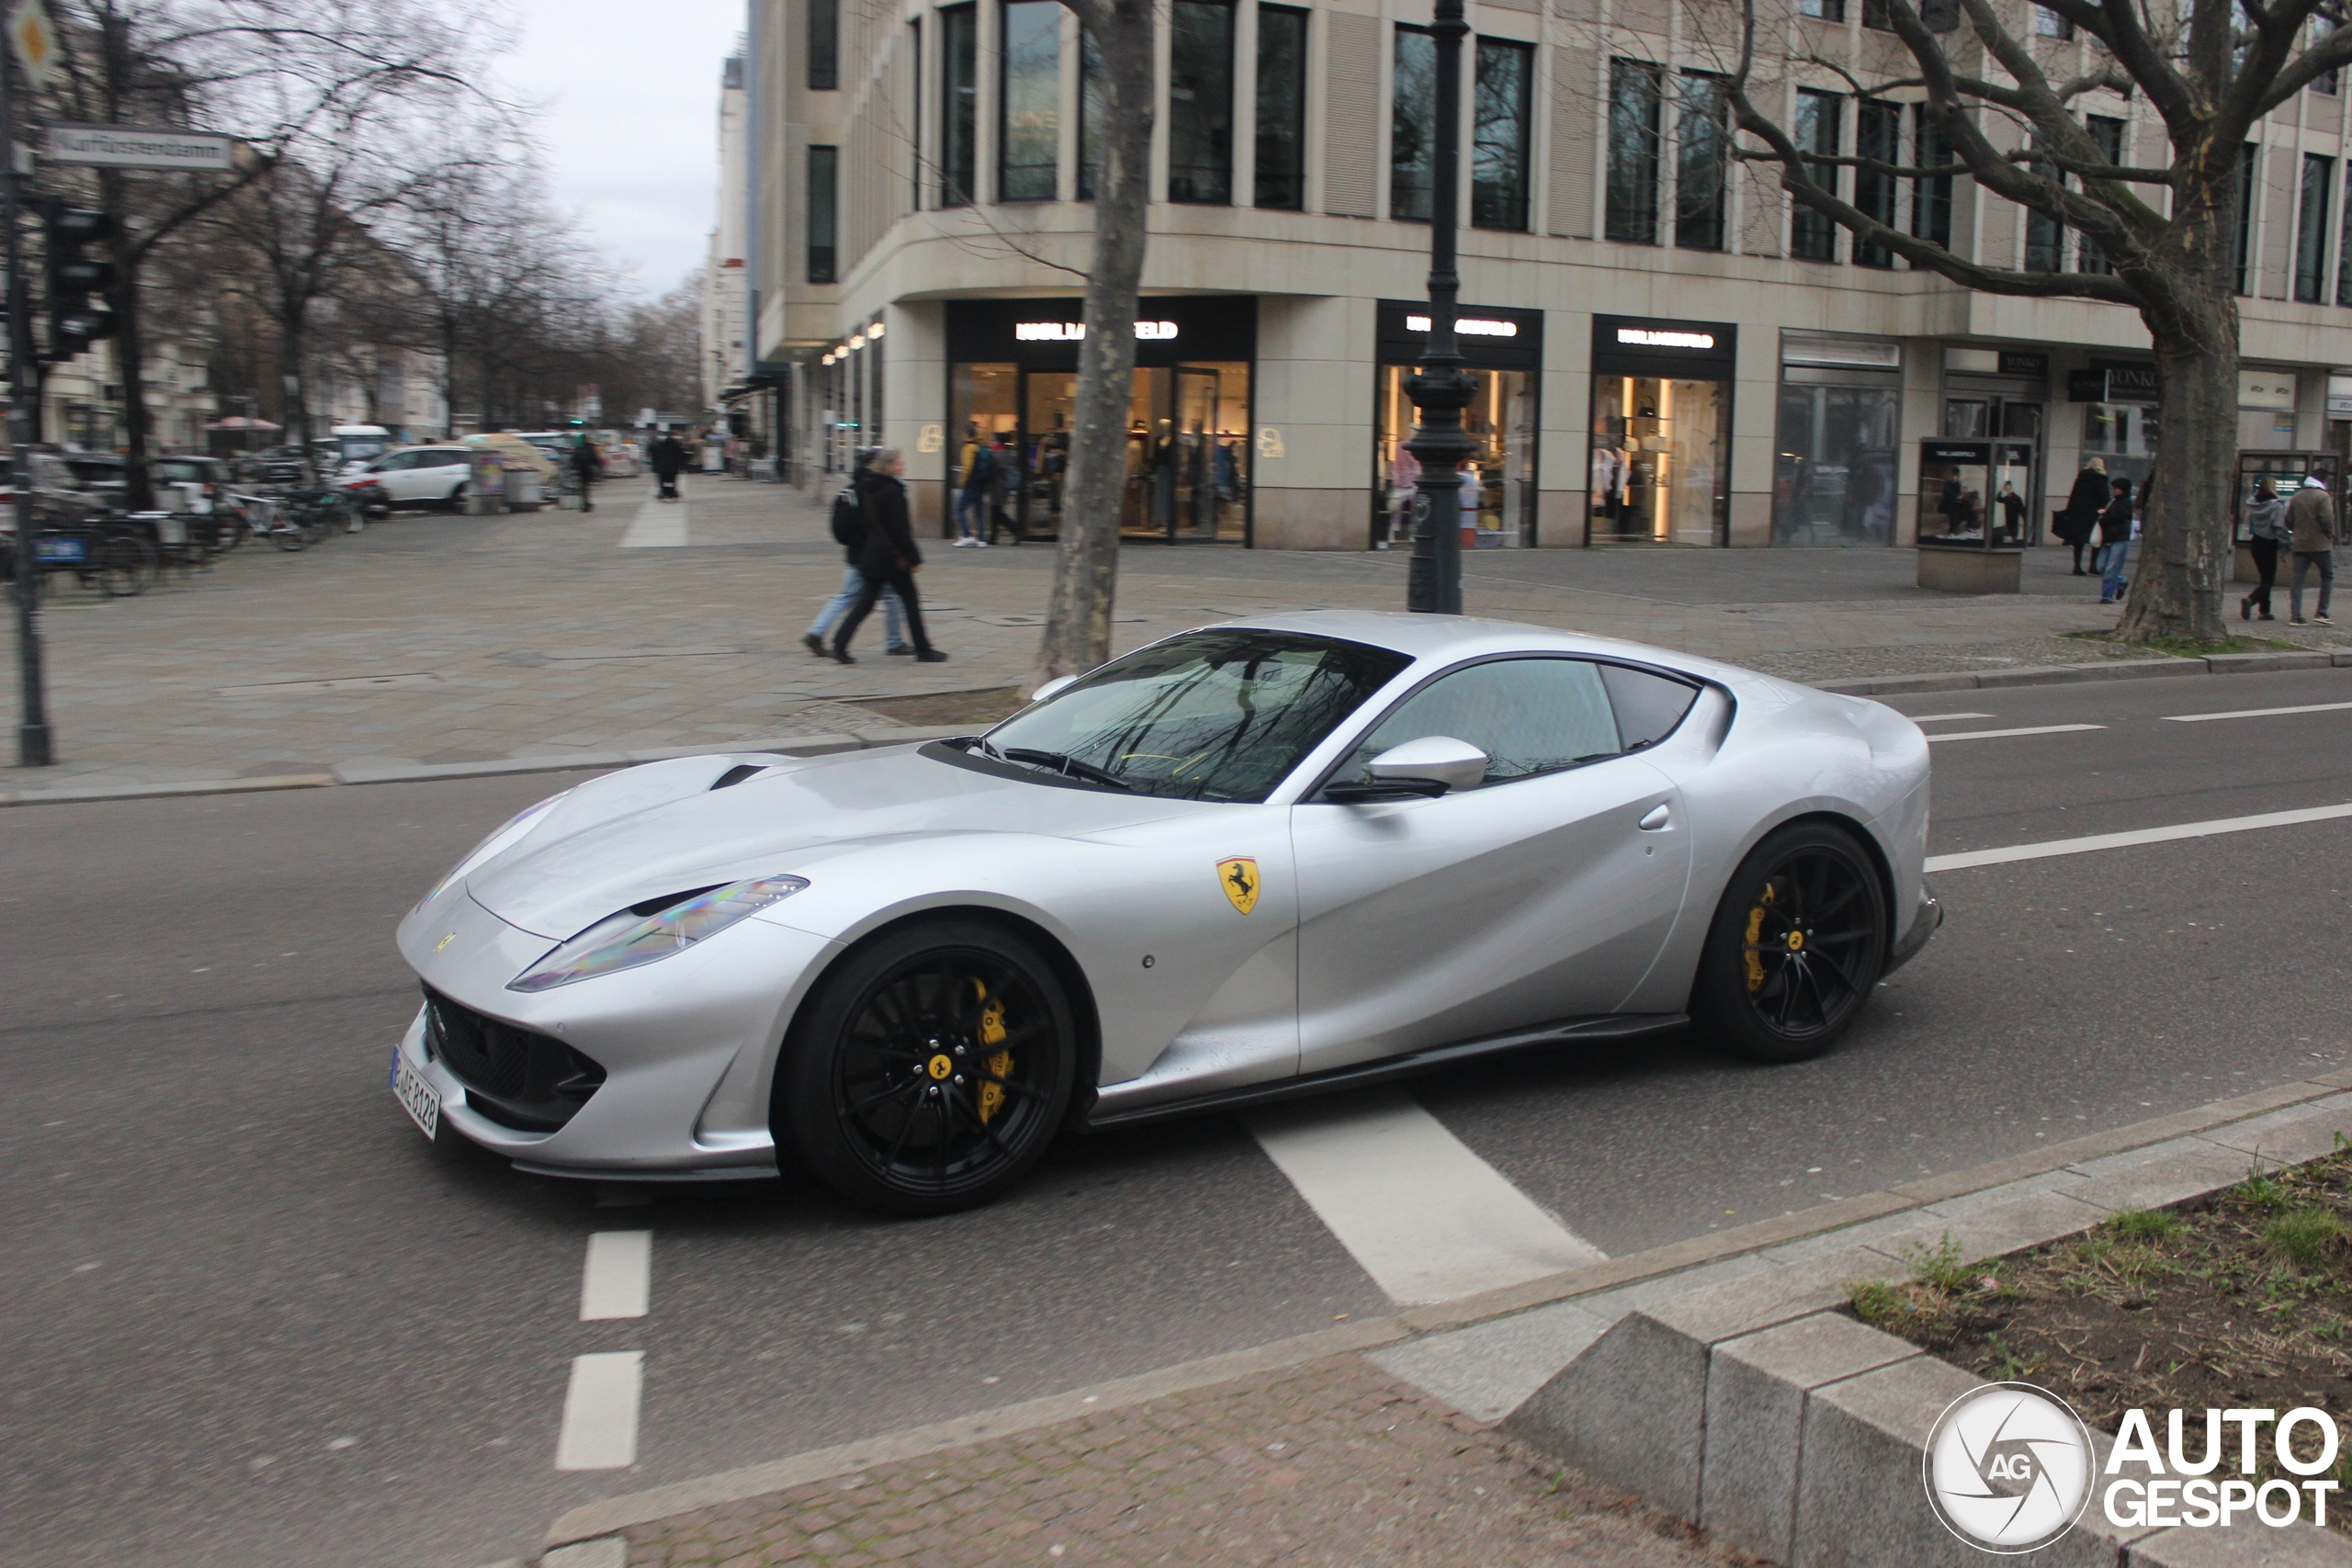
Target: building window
[[1029, 100], [2048, 23], [1701, 134], [1812, 236], [1823, 10], [2325, 81], [1499, 134], [1878, 133], [2108, 136], [2045, 237], [1875, 17], [824, 164], [2344, 249], [1090, 113], [1412, 120], [825, 45], [2249, 158], [1200, 101], [959, 94], [1634, 92], [1282, 108], [914, 127], [2310, 231], [1930, 194]]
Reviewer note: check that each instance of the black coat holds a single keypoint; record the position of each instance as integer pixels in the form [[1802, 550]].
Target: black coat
[[668, 457], [889, 547], [587, 462], [2084, 503], [2115, 522]]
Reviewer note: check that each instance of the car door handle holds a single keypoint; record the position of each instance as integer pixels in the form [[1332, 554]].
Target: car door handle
[[1658, 819]]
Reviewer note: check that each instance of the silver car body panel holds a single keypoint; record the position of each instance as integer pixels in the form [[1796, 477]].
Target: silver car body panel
[[1385, 934]]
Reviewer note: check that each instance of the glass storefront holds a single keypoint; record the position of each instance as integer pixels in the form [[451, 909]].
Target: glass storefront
[[1976, 493], [1660, 444], [1013, 376], [1834, 465], [1504, 350]]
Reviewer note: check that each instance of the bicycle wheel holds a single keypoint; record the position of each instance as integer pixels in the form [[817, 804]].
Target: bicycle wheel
[[287, 535], [120, 572]]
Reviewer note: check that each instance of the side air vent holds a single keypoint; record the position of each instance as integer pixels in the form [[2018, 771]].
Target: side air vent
[[737, 775]]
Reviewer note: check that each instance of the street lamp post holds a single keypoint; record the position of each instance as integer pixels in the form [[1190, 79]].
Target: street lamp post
[[1439, 387], [33, 748]]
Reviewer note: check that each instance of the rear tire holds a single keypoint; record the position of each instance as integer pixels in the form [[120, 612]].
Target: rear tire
[[930, 1070], [1797, 945]]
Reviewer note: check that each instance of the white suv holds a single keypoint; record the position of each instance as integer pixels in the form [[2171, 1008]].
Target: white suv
[[418, 476]]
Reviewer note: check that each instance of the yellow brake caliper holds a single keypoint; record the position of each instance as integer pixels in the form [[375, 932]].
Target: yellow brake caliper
[[1755, 936], [992, 1032]]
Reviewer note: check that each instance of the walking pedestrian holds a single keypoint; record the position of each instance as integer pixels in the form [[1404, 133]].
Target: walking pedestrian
[[668, 457], [972, 490], [888, 558], [2310, 516], [2114, 543], [1004, 481], [2084, 503], [2266, 531], [849, 532], [2012, 513], [588, 466]]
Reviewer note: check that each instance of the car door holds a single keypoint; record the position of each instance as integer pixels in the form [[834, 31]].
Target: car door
[[1540, 896], [428, 479]]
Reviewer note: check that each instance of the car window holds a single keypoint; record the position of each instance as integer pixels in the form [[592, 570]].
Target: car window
[[439, 459], [1529, 716], [1648, 704]]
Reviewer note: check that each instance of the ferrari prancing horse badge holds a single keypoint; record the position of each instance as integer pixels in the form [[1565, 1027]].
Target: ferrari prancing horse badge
[[1239, 877]]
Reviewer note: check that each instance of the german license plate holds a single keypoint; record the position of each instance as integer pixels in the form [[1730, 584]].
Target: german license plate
[[416, 1096]]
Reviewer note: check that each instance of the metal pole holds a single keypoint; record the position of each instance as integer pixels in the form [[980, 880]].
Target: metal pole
[[1439, 387], [32, 730]]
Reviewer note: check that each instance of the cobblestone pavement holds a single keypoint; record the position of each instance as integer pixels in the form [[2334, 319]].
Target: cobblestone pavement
[[431, 639], [1333, 1462]]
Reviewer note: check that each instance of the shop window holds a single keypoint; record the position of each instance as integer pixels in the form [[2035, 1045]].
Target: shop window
[[1930, 194], [2045, 237], [2124, 437], [824, 164], [1499, 143], [1834, 476], [1703, 136], [1200, 101], [1188, 450], [1029, 100], [2310, 228], [959, 119], [1633, 94], [2249, 157], [2106, 134], [1498, 505], [1282, 108], [1412, 122], [1659, 445], [1878, 133], [1823, 10], [825, 45], [1090, 113], [1812, 236]]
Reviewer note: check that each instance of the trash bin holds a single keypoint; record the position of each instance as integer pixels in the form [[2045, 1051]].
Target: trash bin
[[523, 490]]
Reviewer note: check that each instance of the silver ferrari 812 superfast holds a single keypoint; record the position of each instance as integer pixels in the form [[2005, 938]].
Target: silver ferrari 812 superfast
[[1249, 861]]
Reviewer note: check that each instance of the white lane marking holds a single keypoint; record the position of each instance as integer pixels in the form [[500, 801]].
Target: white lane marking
[[2254, 713], [600, 1412], [658, 524], [1425, 1217], [1939, 717], [618, 1278], [2000, 734], [1966, 859]]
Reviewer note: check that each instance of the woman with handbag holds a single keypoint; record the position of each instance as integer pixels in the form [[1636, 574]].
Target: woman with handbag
[[2084, 503]]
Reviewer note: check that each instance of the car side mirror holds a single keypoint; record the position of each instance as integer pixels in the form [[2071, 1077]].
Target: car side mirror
[[1432, 766], [1059, 684]]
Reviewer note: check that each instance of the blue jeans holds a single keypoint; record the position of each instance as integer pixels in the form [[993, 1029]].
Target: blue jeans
[[970, 511], [2110, 570], [853, 584]]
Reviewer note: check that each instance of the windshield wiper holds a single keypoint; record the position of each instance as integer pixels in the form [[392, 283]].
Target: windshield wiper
[[1061, 763]]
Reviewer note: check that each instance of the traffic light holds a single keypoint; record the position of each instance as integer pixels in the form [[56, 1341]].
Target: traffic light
[[77, 315]]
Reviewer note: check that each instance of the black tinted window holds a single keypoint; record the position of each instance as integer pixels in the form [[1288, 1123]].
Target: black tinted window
[[1648, 707]]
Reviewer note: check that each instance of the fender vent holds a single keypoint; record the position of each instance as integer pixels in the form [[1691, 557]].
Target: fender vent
[[737, 775]]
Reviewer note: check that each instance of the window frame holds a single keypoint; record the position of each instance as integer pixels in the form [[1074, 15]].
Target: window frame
[[1830, 11], [824, 45], [1396, 116], [1931, 194], [2311, 231], [828, 270], [1297, 173], [1523, 158], [959, 104], [1718, 209], [1005, 168], [1873, 189], [1805, 223], [1649, 161], [1223, 178]]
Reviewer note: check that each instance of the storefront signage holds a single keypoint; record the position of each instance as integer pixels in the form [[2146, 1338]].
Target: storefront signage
[[1489, 337], [1070, 332], [2020, 362], [1840, 353], [1645, 337], [1468, 326], [1638, 345], [1045, 335], [2112, 381]]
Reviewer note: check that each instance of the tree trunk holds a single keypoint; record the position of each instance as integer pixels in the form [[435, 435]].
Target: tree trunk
[[1086, 566], [130, 346], [290, 350]]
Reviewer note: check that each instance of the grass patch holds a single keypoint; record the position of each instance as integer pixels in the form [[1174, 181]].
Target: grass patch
[[2185, 648], [2305, 1237], [2143, 1224]]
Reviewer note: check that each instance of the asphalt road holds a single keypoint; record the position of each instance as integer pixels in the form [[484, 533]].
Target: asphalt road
[[253, 1318]]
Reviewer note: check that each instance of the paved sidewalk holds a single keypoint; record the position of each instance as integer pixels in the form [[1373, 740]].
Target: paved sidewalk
[[433, 640]]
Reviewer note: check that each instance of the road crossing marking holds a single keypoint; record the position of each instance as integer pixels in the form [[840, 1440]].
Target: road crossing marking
[[618, 1278], [2254, 713], [600, 1412], [659, 523], [1939, 717], [1423, 1214], [2001, 734], [1966, 859]]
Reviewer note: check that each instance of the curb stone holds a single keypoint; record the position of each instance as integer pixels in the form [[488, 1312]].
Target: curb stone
[[1802, 1263], [2104, 669]]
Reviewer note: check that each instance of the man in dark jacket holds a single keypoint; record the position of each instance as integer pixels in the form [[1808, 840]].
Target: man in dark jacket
[[588, 465], [669, 460], [2114, 543], [2311, 519], [2084, 503], [891, 558]]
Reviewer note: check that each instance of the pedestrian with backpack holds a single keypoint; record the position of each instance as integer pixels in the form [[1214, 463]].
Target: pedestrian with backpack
[[890, 556], [849, 532]]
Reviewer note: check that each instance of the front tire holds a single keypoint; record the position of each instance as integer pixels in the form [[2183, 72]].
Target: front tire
[[931, 1069], [1797, 945]]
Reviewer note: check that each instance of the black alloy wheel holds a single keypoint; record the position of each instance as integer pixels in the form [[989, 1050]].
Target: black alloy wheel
[[930, 1070], [1796, 947]]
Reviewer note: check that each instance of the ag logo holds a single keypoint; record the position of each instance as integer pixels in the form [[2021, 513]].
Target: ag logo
[[2008, 1468], [1239, 877]]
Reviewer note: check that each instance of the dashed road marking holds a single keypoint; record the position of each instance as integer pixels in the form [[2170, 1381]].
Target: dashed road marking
[[1941, 718], [2254, 713], [2002, 734], [600, 1412], [1968, 858], [1423, 1214], [618, 1278]]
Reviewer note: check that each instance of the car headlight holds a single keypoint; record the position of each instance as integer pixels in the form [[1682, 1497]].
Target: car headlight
[[631, 938], [505, 838]]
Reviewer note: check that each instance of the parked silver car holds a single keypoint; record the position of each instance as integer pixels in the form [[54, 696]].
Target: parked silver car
[[1249, 861]]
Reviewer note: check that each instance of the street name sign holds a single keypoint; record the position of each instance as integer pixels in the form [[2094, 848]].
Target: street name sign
[[137, 147]]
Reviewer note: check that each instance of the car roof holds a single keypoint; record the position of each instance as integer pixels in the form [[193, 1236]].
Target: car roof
[[1446, 638]]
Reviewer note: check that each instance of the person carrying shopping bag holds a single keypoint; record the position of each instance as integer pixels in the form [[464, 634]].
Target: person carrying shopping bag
[[2084, 503], [2267, 533], [2310, 519]]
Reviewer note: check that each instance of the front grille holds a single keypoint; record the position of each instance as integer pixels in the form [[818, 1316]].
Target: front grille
[[530, 1082]]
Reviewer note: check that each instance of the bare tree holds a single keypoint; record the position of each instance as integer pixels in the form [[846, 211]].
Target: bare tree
[[1086, 566], [2165, 227]]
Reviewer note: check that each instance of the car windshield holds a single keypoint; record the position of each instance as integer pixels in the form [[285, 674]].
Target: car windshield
[[1220, 714]]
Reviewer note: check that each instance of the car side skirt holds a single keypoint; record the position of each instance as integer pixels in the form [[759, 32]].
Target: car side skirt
[[1614, 1026]]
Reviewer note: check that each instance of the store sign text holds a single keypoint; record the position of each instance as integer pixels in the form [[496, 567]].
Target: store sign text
[[1070, 332], [1468, 326], [1642, 337]]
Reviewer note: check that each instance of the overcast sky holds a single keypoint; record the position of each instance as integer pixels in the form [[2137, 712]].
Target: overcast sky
[[631, 124]]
